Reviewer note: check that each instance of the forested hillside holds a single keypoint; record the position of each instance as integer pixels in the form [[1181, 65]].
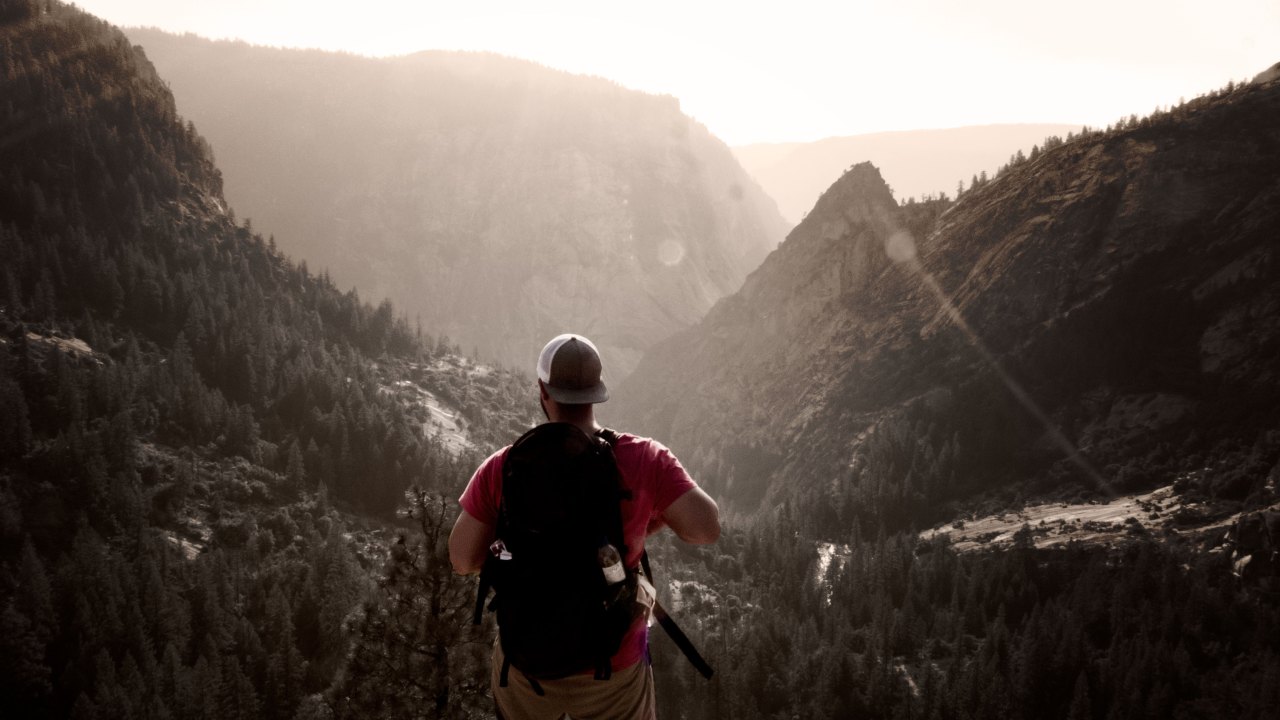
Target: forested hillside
[[825, 603], [892, 628], [501, 201], [1098, 318], [203, 446]]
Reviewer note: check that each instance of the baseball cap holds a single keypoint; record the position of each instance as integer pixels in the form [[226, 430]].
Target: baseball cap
[[569, 367]]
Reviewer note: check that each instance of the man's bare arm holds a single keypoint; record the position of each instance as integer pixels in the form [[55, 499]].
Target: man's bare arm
[[694, 517], [469, 544]]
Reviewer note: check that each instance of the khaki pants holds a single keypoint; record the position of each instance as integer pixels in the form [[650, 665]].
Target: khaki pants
[[628, 695]]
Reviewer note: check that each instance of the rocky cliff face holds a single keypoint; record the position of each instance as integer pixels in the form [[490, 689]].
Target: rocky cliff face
[[500, 201], [1103, 317], [754, 375]]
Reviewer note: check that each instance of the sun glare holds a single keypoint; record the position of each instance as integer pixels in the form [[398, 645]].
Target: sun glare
[[814, 70]]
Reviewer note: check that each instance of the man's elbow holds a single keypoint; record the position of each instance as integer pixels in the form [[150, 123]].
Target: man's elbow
[[469, 544], [705, 531], [465, 568], [463, 563], [695, 518], [460, 567], [703, 536]]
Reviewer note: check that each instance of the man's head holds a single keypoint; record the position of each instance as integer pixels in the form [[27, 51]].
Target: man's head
[[569, 371]]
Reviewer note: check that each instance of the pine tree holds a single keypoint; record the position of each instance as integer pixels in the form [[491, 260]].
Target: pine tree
[[410, 657], [285, 666], [296, 470], [237, 700], [1081, 706], [25, 679], [15, 424]]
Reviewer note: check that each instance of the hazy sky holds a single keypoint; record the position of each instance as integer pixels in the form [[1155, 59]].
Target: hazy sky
[[805, 69]]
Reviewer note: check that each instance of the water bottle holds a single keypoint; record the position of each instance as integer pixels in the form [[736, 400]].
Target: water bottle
[[611, 563]]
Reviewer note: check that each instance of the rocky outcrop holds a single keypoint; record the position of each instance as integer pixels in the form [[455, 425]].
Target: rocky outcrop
[[1255, 542], [759, 370]]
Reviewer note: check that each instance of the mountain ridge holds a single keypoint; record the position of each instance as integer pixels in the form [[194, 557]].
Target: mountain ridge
[[1053, 291], [500, 201], [917, 163]]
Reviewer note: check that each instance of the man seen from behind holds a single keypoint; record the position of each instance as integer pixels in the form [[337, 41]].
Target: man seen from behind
[[658, 493]]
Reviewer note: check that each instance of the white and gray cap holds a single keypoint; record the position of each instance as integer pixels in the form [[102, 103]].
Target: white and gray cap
[[570, 368]]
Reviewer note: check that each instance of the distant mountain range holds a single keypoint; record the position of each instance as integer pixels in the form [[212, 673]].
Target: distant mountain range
[[915, 163], [500, 201], [1104, 316]]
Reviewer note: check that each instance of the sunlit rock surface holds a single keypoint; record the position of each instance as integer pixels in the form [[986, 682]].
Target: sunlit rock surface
[[500, 201]]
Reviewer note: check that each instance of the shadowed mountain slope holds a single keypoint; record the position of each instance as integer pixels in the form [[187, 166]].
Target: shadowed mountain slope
[[1118, 294], [202, 445], [500, 201]]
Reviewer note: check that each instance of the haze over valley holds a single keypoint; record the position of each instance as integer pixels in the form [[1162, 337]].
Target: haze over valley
[[495, 200]]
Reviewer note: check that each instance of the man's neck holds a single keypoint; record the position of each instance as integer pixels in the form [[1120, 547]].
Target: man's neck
[[583, 420], [588, 426]]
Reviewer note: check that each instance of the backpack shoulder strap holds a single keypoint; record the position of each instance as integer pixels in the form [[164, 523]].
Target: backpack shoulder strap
[[611, 439], [609, 436]]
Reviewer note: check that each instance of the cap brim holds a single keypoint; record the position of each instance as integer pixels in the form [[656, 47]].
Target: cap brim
[[584, 396]]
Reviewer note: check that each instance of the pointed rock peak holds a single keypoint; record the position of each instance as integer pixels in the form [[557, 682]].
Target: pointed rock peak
[[864, 171], [861, 190]]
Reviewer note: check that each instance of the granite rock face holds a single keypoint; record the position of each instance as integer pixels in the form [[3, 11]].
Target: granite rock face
[[500, 201], [1105, 311]]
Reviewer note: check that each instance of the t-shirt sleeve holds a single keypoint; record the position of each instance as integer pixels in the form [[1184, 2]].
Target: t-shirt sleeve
[[484, 491], [672, 479]]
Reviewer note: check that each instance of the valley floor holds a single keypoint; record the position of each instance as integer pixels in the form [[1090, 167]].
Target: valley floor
[[1051, 524]]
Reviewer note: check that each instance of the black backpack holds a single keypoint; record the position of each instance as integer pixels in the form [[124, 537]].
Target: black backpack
[[562, 501]]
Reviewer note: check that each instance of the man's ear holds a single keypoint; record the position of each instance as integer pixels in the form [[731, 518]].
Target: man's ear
[[542, 391]]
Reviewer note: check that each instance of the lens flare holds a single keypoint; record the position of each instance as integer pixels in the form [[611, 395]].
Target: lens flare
[[901, 248], [670, 253]]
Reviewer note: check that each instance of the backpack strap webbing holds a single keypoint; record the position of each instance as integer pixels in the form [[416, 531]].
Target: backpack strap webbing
[[482, 592], [673, 630], [682, 641], [537, 687], [504, 678]]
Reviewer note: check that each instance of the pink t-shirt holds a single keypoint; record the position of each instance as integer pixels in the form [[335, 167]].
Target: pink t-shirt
[[652, 474]]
